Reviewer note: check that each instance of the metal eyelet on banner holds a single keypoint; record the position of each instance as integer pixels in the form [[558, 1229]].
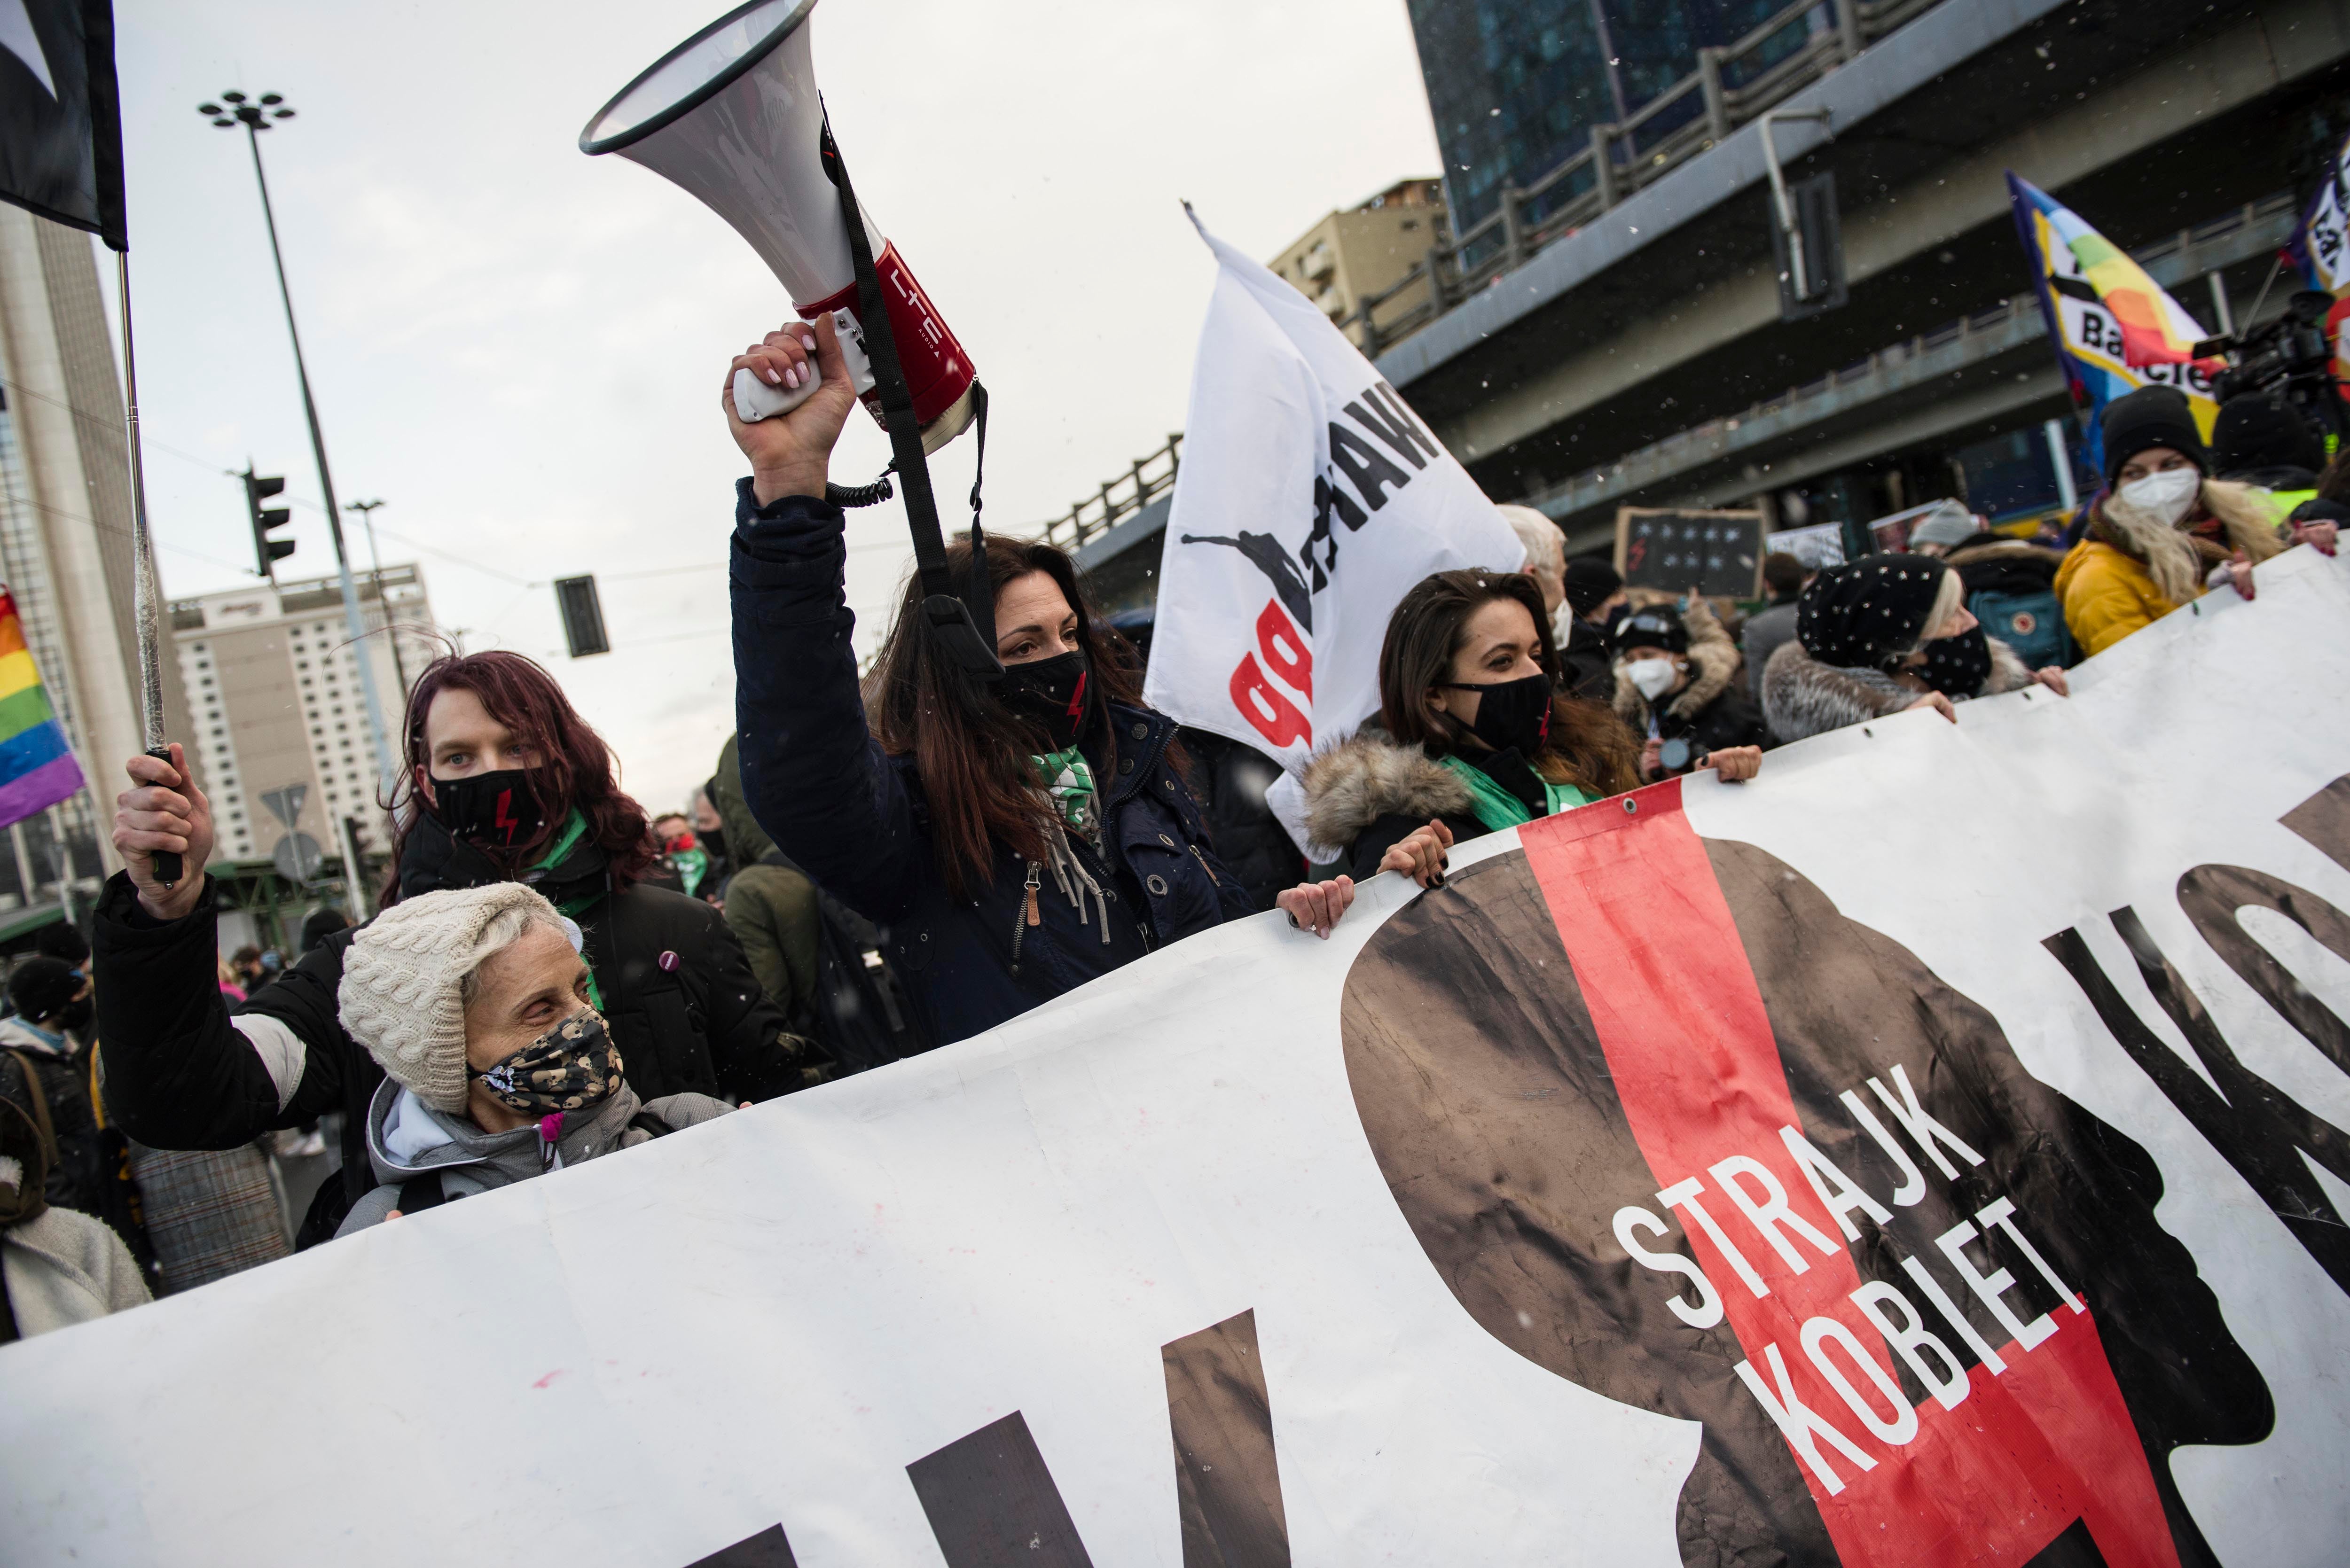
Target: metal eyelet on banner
[[1631, 806]]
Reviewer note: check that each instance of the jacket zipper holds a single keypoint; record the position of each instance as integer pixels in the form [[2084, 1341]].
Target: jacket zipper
[[1025, 914], [1202, 859]]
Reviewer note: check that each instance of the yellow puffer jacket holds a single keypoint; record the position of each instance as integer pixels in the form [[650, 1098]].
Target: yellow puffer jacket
[[2106, 594]]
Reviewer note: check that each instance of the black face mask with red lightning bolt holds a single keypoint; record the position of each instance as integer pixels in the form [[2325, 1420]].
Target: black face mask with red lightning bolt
[[496, 810], [1052, 691]]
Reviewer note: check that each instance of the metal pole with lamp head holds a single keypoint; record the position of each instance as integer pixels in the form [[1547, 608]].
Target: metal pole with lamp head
[[257, 118]]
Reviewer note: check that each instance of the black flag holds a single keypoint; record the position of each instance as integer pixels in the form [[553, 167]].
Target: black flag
[[60, 120]]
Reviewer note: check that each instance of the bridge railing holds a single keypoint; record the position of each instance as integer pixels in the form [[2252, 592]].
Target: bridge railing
[[1145, 480]]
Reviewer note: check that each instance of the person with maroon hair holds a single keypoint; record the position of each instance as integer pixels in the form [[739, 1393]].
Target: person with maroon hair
[[504, 781]]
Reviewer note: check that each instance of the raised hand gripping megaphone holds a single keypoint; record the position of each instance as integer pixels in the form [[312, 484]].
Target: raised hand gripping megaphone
[[731, 114]]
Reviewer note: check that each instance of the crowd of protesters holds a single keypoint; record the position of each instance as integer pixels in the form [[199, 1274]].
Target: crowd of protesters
[[884, 862]]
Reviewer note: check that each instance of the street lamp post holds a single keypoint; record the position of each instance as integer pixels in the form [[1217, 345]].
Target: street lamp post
[[366, 509], [257, 118]]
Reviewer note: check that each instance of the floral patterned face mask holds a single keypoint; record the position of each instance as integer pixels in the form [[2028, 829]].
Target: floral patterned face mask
[[570, 1067]]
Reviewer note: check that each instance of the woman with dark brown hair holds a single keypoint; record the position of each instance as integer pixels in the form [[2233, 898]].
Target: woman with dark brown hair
[[1014, 837], [1477, 737], [504, 782]]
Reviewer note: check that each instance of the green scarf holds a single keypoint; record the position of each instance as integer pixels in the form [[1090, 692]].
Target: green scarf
[[1068, 778], [575, 828], [692, 866], [1497, 808]]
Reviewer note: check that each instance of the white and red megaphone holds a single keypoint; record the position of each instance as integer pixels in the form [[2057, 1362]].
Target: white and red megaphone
[[731, 114]]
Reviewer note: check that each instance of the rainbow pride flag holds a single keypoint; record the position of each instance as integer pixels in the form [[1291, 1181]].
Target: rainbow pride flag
[[2154, 328], [36, 767]]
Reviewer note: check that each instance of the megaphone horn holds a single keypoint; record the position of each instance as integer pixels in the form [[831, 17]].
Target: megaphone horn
[[731, 114]]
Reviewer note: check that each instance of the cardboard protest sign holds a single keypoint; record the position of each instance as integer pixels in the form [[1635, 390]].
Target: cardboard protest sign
[[1826, 1169], [1311, 500]]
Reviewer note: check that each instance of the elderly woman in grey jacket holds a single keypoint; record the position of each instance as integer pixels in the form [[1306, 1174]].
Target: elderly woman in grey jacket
[[497, 1066]]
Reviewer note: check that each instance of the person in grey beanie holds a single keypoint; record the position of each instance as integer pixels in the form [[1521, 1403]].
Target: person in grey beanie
[[496, 1069], [1942, 530]]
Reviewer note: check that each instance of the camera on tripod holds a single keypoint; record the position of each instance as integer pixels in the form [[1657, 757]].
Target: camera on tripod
[[2289, 355]]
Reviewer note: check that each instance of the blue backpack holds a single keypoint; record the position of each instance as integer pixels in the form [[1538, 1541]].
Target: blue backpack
[[2033, 624]]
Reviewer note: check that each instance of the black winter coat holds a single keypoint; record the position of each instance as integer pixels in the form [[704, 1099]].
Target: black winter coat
[[1230, 780], [857, 820], [181, 1074], [79, 1174], [1586, 670]]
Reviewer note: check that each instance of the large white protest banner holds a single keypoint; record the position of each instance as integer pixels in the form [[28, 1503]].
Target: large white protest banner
[[1310, 501], [1930, 1152]]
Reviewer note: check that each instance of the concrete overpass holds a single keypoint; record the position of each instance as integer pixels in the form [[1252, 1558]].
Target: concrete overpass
[[1661, 315]]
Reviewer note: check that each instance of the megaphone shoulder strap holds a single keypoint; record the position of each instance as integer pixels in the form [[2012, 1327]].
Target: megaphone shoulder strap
[[964, 619]]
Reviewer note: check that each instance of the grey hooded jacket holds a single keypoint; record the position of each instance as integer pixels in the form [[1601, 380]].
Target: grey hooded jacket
[[406, 1138]]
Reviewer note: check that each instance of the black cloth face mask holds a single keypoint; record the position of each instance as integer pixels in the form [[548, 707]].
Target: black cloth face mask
[[499, 809], [1512, 715], [1052, 693], [78, 1015], [1959, 666]]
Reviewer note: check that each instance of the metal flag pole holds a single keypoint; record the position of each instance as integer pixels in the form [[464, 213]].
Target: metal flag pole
[[146, 590]]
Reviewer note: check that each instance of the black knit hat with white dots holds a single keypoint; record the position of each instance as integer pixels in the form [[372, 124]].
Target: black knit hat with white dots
[[1868, 613]]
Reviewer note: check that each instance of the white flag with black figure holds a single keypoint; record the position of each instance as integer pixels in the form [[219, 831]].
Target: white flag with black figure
[[1310, 501]]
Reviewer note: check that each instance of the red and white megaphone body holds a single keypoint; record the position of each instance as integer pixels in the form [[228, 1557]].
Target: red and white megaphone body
[[731, 114]]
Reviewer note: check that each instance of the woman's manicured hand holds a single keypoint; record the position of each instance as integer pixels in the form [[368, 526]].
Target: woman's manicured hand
[[790, 454], [1419, 854], [1316, 906]]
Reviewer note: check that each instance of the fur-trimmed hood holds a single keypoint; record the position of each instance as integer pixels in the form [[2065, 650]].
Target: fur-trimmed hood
[[1803, 697], [1713, 665], [1368, 776]]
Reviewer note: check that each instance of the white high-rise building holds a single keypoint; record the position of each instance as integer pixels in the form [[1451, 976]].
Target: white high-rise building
[[273, 680]]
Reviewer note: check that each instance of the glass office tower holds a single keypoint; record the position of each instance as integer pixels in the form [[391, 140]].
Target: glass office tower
[[1515, 85]]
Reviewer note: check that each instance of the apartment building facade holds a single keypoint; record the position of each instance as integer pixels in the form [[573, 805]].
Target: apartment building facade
[[272, 680]]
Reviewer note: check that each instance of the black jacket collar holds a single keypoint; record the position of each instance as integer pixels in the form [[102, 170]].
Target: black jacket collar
[[431, 861]]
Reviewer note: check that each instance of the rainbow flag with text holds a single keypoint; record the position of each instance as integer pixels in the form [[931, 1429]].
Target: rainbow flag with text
[[36, 766]]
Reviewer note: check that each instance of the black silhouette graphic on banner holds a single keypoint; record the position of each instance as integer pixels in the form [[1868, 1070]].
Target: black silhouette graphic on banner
[[1999, 1242]]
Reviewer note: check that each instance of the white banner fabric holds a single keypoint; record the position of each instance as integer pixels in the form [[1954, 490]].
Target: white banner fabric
[[1311, 499], [973, 1292]]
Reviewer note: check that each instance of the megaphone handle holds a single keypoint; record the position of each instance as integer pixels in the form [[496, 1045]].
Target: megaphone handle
[[755, 399]]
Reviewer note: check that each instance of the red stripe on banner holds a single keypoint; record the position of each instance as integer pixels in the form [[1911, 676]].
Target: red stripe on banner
[[1691, 1047]]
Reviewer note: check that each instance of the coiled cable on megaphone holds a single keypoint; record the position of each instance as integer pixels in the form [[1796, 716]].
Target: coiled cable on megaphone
[[847, 496]]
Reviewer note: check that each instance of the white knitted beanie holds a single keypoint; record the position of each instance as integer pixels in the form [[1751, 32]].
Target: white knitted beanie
[[400, 995]]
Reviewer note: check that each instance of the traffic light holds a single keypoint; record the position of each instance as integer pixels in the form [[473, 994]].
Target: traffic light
[[268, 551], [583, 615]]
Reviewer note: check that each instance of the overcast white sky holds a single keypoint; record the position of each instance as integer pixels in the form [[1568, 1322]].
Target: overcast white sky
[[518, 347]]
